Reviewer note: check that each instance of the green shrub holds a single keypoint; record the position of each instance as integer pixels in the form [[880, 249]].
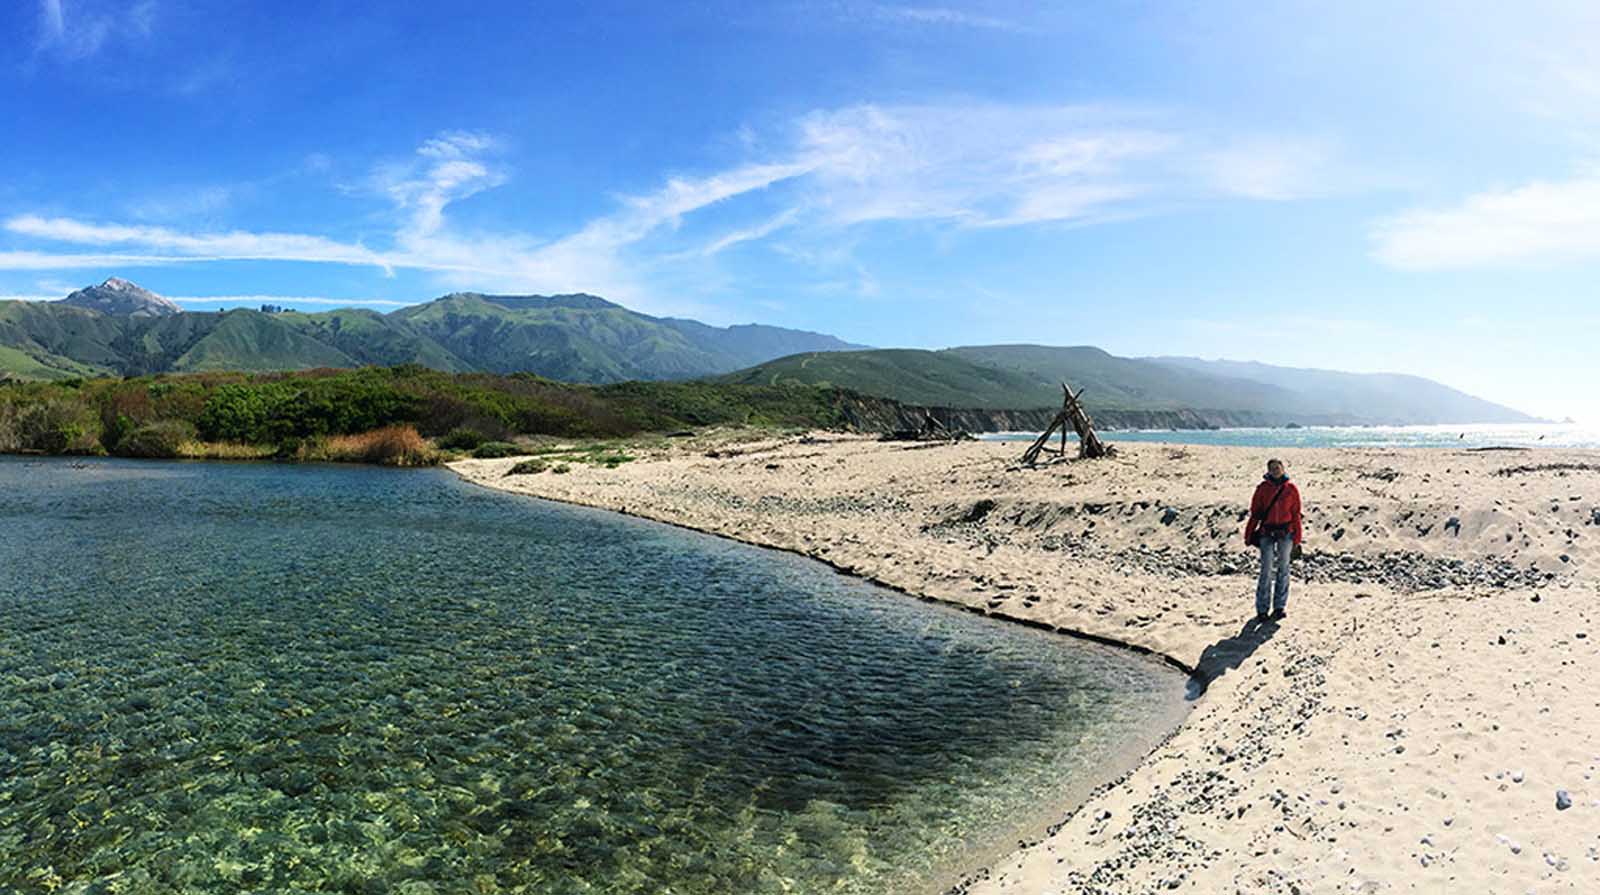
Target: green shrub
[[462, 439], [267, 411], [608, 459], [114, 429], [236, 413], [298, 411], [159, 439], [528, 467], [57, 426], [494, 450], [10, 438]]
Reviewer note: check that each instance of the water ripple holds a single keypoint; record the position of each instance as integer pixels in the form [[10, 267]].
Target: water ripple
[[217, 678]]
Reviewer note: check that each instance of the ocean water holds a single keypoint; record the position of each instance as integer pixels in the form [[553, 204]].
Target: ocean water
[[1540, 435], [256, 677]]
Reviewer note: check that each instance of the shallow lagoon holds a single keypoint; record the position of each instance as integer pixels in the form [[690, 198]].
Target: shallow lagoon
[[218, 678]]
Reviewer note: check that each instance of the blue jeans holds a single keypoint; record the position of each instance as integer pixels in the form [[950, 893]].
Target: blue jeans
[[1273, 584]]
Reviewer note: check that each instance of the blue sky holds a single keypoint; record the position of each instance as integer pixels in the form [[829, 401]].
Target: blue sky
[[1365, 186]]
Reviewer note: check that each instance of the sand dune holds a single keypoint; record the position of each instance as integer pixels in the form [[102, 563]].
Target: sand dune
[[1407, 728]]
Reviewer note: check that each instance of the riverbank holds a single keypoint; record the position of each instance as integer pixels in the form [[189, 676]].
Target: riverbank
[[1407, 727]]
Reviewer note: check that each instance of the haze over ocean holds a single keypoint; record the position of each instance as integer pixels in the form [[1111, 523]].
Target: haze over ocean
[[1475, 436]]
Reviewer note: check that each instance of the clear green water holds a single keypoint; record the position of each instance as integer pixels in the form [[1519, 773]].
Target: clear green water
[[228, 678]]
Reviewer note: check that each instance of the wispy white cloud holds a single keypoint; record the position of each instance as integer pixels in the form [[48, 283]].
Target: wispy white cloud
[[594, 257], [289, 300], [939, 15], [750, 234], [28, 260], [204, 200], [1269, 168], [284, 300], [829, 174], [447, 168], [450, 145], [142, 17], [974, 164], [52, 20], [1537, 223], [237, 245], [1007, 165], [77, 33]]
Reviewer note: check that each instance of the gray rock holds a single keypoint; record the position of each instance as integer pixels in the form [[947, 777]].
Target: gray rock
[[1563, 800], [120, 298]]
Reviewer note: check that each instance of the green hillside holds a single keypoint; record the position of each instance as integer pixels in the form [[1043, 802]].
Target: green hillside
[[1019, 377], [582, 343], [368, 337], [584, 338], [1015, 377], [18, 364], [54, 337], [579, 338], [252, 341], [151, 345], [1124, 383], [931, 378], [1381, 397]]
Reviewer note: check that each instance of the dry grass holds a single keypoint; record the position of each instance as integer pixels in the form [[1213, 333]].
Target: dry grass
[[389, 446], [224, 450]]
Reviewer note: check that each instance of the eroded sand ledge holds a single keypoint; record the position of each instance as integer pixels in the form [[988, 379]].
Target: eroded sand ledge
[[1406, 729]]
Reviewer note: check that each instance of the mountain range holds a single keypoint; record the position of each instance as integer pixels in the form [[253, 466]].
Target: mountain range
[[1221, 393], [118, 328]]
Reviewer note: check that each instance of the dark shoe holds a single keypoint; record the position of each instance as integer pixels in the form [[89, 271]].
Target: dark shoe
[[1279, 615], [1261, 617]]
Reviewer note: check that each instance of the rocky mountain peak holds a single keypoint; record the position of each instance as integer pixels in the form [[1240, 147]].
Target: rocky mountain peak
[[119, 298]]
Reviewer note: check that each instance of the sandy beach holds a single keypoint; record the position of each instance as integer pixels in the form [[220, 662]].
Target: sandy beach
[[1410, 727]]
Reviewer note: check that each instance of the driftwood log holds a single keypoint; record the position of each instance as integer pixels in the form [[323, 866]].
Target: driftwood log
[[1072, 414], [932, 430]]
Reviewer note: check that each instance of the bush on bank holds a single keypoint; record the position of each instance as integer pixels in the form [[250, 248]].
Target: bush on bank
[[162, 439], [301, 414]]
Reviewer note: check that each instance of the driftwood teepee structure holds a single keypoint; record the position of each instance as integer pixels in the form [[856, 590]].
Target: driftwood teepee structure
[[1072, 414]]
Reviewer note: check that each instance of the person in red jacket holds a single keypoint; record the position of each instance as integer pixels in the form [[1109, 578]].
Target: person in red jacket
[[1274, 527]]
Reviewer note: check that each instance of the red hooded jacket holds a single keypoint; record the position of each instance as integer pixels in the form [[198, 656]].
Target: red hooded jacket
[[1286, 511]]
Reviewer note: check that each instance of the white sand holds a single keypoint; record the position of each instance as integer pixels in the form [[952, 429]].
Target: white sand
[[1405, 729]]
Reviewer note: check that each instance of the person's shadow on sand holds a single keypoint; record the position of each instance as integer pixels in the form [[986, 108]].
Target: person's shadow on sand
[[1227, 654]]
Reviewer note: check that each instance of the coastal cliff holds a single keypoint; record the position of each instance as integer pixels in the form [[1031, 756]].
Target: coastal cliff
[[869, 414]]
